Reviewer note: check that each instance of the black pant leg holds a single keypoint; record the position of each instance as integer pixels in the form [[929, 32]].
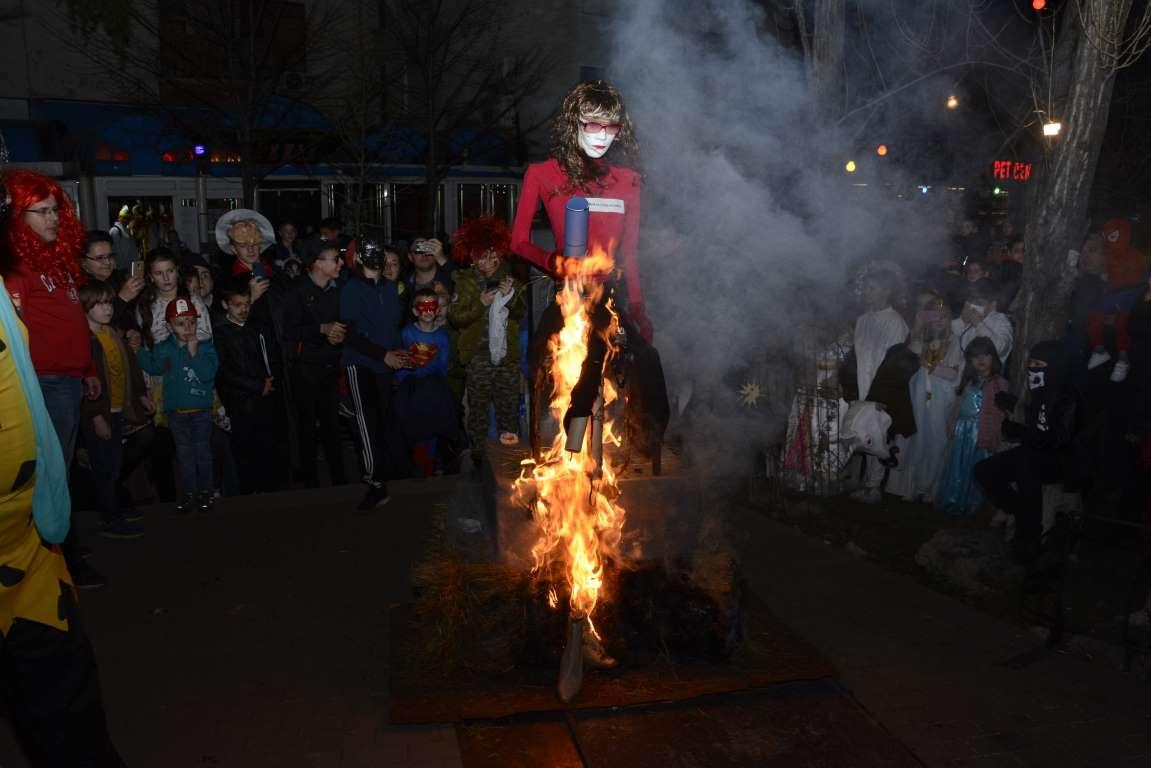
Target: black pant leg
[[304, 388], [370, 405], [328, 417], [54, 696]]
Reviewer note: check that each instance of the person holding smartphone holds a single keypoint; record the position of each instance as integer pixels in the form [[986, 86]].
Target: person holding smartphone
[[99, 264], [430, 268]]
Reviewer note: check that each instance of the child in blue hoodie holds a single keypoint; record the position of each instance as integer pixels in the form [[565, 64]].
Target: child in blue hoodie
[[188, 366]]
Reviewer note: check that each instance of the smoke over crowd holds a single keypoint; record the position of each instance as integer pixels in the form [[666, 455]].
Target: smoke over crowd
[[751, 228]]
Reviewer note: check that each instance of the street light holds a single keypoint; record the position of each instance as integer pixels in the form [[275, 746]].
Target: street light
[[850, 167], [881, 150], [1052, 128], [952, 102]]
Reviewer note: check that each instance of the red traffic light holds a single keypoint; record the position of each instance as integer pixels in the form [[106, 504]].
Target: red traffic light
[[1039, 5]]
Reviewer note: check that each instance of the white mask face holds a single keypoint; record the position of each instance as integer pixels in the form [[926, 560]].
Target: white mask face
[[1036, 379], [595, 145]]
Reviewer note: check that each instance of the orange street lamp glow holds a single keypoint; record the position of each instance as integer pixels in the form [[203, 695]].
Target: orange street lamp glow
[[881, 150], [952, 102], [1039, 5]]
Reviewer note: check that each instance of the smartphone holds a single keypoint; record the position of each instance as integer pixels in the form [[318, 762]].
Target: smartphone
[[258, 269], [492, 284], [137, 269]]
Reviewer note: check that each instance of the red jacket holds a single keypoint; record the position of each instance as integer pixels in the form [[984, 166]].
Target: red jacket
[[1125, 267], [58, 335], [615, 225]]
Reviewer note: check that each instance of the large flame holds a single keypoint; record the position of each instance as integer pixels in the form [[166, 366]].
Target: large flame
[[573, 501]]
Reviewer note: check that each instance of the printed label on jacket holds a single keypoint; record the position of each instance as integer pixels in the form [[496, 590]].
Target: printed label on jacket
[[605, 205]]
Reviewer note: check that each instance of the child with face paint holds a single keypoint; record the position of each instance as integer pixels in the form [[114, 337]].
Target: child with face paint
[[594, 155], [975, 428], [426, 409], [1013, 480]]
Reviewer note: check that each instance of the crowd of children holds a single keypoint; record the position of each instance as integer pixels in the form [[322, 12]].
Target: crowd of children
[[241, 373], [1084, 426]]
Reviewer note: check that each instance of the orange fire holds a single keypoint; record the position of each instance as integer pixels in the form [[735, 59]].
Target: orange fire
[[573, 497]]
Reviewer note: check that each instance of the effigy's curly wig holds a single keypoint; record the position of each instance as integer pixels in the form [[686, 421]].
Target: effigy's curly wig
[[594, 99], [480, 235], [60, 259]]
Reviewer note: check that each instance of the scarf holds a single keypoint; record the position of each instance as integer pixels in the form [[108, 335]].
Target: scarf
[[498, 327], [51, 504]]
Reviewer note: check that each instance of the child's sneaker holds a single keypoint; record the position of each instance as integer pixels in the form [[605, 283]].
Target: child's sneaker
[[377, 496], [1098, 357], [1120, 370], [186, 504], [121, 528], [205, 501]]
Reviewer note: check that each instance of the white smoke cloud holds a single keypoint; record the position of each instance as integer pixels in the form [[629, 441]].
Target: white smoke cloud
[[750, 223]]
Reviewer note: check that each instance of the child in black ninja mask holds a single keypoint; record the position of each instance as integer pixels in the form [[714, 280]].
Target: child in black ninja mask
[[1013, 480]]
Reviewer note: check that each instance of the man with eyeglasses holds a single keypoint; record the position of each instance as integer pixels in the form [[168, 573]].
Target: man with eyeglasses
[[50, 680], [99, 264]]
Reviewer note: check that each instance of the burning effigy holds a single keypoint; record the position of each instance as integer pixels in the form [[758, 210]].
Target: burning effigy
[[571, 490]]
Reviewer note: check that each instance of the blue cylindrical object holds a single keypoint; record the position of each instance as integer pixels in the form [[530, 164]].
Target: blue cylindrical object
[[575, 227]]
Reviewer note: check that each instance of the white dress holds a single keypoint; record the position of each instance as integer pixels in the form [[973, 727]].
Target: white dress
[[932, 400], [875, 333]]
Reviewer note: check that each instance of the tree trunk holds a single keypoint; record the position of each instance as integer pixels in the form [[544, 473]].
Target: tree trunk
[[1057, 219], [248, 175], [823, 43]]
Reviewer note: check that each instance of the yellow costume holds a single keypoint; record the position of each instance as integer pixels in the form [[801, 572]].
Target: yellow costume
[[34, 581]]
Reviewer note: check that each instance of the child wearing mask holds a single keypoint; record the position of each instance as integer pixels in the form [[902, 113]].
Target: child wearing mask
[[1013, 480], [188, 367], [425, 406], [975, 430]]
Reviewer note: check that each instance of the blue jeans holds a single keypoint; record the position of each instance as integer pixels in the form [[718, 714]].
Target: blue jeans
[[62, 396], [104, 459], [193, 435]]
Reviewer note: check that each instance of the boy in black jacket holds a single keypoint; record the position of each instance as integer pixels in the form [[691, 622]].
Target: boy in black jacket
[[248, 383], [314, 336]]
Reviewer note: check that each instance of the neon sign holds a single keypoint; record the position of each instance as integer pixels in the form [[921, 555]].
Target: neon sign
[[1011, 170]]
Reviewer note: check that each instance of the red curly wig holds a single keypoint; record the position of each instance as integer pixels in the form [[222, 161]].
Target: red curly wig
[[479, 235], [31, 255]]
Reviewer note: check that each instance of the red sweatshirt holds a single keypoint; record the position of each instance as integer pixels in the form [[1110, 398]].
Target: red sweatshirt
[[58, 336], [612, 223]]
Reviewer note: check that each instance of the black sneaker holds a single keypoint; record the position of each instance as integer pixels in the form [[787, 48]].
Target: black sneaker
[[85, 576], [377, 496], [133, 515], [121, 528], [205, 501], [186, 504]]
